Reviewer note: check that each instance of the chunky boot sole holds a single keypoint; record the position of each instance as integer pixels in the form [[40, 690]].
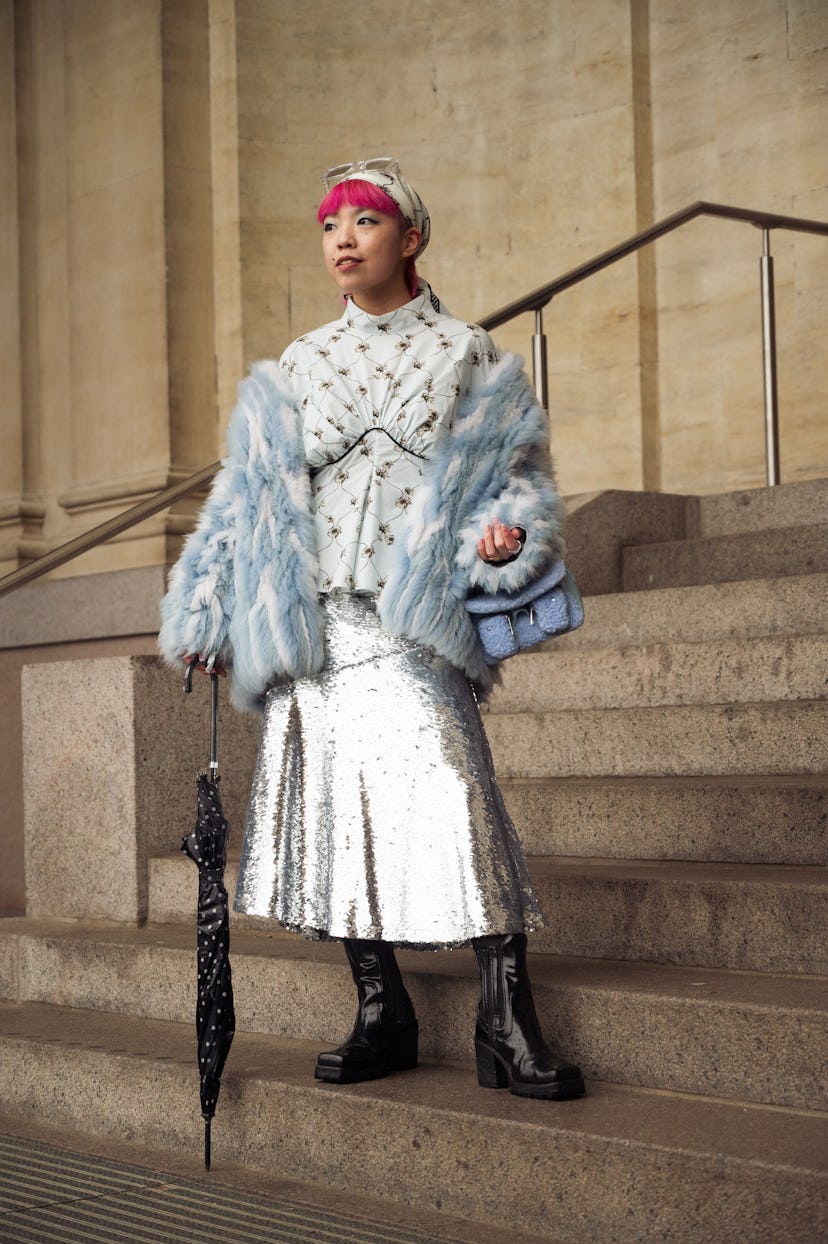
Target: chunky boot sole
[[343, 1067], [493, 1072]]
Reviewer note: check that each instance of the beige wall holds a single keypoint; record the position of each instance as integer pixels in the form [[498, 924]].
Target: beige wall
[[740, 115], [541, 133], [168, 155], [515, 120]]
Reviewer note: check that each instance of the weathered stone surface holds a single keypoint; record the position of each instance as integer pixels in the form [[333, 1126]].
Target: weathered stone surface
[[761, 917], [756, 820], [758, 509], [719, 559], [600, 525], [658, 1025], [84, 856], [706, 739], [740, 671], [757, 917], [112, 747], [702, 612], [613, 1164], [82, 607]]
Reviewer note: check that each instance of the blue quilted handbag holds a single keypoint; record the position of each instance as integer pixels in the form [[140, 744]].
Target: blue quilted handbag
[[508, 622]]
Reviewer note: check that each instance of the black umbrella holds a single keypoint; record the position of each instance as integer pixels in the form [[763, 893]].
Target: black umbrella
[[206, 844]]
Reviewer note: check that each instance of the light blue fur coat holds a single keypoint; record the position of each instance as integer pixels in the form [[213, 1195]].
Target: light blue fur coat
[[245, 587]]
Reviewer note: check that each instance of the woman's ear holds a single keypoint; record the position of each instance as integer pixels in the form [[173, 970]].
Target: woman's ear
[[411, 242]]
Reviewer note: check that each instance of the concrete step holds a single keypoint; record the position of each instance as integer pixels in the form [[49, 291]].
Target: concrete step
[[62, 1185], [693, 1030], [758, 509], [724, 671], [757, 819], [626, 1164], [755, 917], [701, 613], [719, 559], [761, 820], [766, 918], [665, 741]]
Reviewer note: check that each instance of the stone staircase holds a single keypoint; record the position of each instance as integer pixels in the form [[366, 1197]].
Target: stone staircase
[[666, 768]]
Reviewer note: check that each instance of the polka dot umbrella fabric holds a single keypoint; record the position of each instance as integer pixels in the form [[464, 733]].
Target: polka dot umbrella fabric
[[206, 844]]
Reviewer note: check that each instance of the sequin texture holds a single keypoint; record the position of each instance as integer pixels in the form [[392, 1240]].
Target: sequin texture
[[375, 812]]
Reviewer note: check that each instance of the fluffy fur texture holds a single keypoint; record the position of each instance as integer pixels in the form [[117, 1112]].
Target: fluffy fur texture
[[245, 586]]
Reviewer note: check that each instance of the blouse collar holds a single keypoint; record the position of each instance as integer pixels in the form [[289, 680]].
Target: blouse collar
[[425, 301]]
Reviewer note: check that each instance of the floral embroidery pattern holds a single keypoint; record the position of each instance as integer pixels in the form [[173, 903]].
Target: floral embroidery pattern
[[378, 393]]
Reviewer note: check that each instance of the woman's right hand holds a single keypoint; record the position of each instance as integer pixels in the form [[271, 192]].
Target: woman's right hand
[[204, 667]]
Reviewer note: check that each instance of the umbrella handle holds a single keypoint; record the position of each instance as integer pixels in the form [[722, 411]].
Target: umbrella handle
[[213, 724], [214, 700]]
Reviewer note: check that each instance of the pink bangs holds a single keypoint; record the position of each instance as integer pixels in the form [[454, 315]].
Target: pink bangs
[[359, 193]]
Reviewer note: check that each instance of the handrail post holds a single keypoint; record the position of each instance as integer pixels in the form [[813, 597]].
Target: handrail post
[[769, 362], [539, 361]]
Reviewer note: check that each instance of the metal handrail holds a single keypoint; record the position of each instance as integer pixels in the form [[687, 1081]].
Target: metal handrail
[[545, 293], [105, 531], [765, 221], [534, 301]]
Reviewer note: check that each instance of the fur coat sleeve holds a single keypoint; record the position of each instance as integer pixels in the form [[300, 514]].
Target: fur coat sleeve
[[245, 586], [494, 465]]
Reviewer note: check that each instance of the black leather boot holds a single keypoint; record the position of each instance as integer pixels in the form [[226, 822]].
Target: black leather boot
[[511, 1051], [384, 1038]]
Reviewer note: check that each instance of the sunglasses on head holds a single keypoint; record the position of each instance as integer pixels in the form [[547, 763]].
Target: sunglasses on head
[[379, 164]]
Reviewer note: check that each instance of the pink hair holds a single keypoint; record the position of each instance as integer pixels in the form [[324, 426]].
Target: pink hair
[[357, 193]]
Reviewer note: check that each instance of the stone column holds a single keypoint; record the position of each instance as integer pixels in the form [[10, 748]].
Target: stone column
[[11, 423], [43, 271], [118, 375], [201, 210]]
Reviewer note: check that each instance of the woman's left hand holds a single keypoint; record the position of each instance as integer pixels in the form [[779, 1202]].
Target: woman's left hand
[[500, 543]]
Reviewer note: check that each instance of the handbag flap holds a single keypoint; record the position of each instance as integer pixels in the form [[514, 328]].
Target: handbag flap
[[502, 602]]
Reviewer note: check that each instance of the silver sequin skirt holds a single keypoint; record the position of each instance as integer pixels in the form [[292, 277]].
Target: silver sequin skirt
[[375, 812]]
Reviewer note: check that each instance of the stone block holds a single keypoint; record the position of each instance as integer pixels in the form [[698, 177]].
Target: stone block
[[792, 605], [751, 917], [111, 749], [729, 671], [172, 743], [667, 741], [600, 525], [83, 854], [779, 820], [93, 606], [745, 555], [758, 509]]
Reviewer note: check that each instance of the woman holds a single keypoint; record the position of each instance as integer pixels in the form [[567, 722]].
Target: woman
[[387, 465]]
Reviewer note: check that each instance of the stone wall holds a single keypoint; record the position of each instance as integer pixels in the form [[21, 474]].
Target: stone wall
[[157, 232], [739, 103]]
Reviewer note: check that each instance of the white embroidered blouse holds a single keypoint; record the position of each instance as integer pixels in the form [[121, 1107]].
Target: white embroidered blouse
[[377, 392]]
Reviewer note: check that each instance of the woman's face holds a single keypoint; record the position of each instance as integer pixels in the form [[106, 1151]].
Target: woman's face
[[365, 253]]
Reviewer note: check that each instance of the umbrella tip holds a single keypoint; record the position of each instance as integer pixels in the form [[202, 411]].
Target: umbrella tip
[[206, 1144]]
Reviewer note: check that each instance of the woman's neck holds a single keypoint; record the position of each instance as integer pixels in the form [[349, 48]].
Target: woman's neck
[[380, 302]]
